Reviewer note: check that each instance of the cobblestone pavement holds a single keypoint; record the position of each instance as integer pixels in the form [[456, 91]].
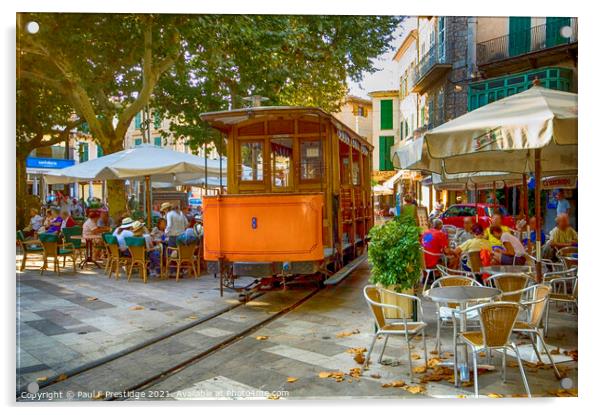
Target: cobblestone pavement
[[69, 320], [285, 358]]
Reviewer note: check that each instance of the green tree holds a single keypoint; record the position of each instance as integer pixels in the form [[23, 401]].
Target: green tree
[[42, 120]]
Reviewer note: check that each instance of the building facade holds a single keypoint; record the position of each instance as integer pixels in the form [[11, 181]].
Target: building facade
[[356, 113]]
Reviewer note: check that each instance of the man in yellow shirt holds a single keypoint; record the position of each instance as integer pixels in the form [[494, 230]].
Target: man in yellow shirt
[[562, 235], [496, 220], [475, 244]]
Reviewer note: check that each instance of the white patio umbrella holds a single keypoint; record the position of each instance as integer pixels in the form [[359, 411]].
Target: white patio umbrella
[[533, 131], [144, 161], [380, 190]]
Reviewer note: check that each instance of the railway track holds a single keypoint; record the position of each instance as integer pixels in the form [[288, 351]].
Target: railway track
[[151, 362]]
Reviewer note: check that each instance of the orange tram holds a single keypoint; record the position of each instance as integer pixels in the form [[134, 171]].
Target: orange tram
[[299, 202]]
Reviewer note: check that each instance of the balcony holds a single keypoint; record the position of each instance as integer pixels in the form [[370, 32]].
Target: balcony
[[538, 46], [431, 68]]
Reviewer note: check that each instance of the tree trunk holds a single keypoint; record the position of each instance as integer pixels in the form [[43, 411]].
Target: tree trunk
[[21, 190], [116, 197]]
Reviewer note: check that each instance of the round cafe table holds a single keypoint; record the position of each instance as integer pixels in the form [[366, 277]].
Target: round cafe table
[[462, 295], [506, 269]]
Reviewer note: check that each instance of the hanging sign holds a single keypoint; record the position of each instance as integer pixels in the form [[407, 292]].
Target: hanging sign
[[560, 182]]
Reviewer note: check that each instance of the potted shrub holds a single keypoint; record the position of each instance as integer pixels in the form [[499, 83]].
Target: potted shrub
[[396, 258]]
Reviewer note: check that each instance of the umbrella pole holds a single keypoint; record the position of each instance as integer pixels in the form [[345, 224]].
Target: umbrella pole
[[525, 197], [476, 203], [149, 219], [538, 214]]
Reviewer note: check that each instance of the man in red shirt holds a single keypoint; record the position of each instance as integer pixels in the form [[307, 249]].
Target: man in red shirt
[[434, 241]]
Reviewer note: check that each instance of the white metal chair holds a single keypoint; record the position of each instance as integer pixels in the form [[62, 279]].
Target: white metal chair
[[444, 311], [430, 272], [535, 303], [446, 271], [450, 230], [497, 321], [405, 328], [567, 296]]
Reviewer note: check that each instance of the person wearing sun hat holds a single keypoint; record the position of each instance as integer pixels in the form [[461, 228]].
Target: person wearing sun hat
[[123, 231]]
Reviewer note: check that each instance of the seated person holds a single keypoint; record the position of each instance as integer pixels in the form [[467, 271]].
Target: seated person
[[105, 221], [530, 241], [158, 232], [465, 233], [56, 221], [122, 232], [512, 253], [68, 221], [435, 241], [198, 226], [562, 235], [35, 223], [496, 220], [476, 244]]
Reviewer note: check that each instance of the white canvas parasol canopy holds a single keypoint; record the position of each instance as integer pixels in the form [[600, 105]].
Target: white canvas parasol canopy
[[161, 164], [504, 135]]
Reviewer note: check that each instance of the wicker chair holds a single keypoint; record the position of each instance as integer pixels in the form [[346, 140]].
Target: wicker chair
[[567, 296], [405, 328], [28, 247], [53, 249], [116, 258], [107, 249], [184, 258], [509, 284], [139, 256], [497, 321], [68, 234], [535, 303], [444, 311]]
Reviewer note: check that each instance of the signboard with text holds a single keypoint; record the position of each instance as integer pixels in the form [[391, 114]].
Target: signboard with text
[[48, 163]]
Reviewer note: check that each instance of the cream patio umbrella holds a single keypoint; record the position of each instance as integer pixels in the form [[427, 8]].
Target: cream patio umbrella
[[144, 161], [533, 131]]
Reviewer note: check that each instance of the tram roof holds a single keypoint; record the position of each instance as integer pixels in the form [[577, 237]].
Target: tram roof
[[224, 120]]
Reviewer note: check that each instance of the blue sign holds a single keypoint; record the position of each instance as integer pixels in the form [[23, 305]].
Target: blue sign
[[48, 163]]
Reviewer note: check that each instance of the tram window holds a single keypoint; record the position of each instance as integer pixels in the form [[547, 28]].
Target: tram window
[[251, 155], [281, 160], [311, 160], [355, 173]]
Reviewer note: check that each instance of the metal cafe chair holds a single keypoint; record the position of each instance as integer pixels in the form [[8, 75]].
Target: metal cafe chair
[[497, 321], [430, 272], [28, 248], [569, 297], [446, 271], [535, 303], [404, 328], [444, 311], [509, 284], [450, 230], [139, 256]]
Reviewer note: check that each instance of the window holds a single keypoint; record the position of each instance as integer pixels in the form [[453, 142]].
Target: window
[[519, 31], [137, 141], [386, 114], [310, 159], [158, 141], [99, 151], [362, 111], [441, 38], [138, 121], [84, 149], [384, 153], [157, 120], [281, 161], [460, 210], [251, 156]]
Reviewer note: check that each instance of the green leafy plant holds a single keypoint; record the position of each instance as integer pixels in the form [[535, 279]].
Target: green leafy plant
[[395, 255]]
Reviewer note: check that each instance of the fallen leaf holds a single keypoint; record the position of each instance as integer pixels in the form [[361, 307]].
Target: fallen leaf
[[394, 384], [273, 397], [136, 307], [291, 379], [419, 369], [355, 372], [92, 299], [193, 317], [415, 356], [324, 374], [495, 395], [42, 379], [375, 376], [482, 354], [347, 333], [433, 362], [555, 351], [461, 396], [98, 396], [62, 377], [434, 352], [415, 389], [261, 337]]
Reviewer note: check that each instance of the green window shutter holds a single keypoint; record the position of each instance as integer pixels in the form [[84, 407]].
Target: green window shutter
[[84, 149], [138, 121], [553, 27], [99, 151], [519, 32], [386, 114], [157, 120], [137, 141], [158, 141], [384, 152]]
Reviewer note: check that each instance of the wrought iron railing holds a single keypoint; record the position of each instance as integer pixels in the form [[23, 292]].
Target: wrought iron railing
[[545, 36], [435, 55]]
